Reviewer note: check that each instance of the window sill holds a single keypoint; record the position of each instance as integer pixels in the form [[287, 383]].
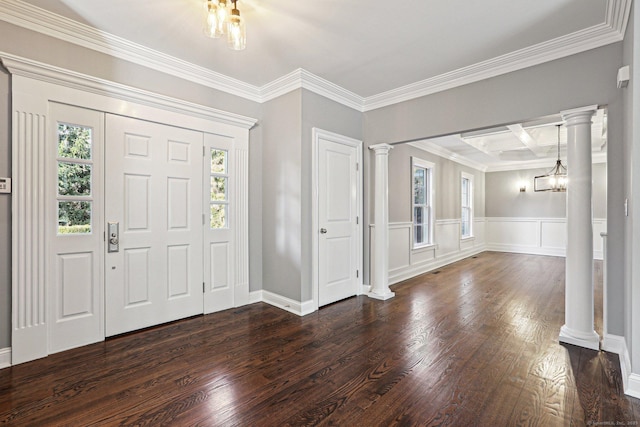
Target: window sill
[[427, 247], [468, 239]]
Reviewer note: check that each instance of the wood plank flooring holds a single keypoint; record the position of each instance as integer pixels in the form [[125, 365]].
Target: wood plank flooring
[[472, 344]]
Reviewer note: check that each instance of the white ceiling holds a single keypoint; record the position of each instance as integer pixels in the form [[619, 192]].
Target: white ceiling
[[363, 53]]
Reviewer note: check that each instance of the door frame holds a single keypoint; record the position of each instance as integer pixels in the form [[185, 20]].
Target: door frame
[[34, 86], [316, 135]]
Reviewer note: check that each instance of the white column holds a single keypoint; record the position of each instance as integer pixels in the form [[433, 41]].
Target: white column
[[578, 328], [380, 259]]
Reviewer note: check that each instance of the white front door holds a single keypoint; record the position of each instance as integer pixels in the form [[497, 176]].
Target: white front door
[[153, 194], [338, 228]]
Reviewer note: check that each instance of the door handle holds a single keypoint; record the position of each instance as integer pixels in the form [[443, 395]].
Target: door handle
[[323, 231], [114, 237]]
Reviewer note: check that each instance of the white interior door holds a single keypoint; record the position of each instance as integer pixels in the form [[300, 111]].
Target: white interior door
[[75, 227], [153, 194], [338, 238], [219, 248]]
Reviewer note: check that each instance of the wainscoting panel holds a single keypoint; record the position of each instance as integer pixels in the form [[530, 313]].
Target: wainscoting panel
[[406, 262], [538, 236]]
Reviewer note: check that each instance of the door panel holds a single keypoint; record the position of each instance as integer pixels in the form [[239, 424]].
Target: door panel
[[337, 206], [154, 193], [76, 264]]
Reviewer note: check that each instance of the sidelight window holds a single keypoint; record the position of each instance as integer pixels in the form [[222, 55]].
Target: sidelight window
[[74, 194], [219, 204]]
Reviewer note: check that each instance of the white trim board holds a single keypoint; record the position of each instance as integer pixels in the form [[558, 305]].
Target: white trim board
[[20, 13], [292, 306], [5, 357], [618, 345]]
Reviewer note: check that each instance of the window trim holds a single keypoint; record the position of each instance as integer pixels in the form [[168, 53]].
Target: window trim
[[471, 207], [417, 162]]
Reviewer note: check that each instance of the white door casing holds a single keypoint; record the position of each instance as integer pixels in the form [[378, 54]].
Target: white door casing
[[75, 310], [153, 192], [338, 209]]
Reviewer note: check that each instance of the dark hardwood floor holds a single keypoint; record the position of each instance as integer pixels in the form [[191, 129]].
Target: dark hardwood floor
[[473, 344]]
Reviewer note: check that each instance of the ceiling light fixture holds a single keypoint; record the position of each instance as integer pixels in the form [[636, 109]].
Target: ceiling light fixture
[[223, 18], [555, 179]]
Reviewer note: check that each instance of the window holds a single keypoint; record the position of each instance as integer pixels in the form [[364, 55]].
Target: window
[[422, 178], [75, 197], [219, 189], [467, 205]]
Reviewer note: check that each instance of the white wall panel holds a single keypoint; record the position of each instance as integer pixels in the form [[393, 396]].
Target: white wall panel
[[399, 245], [553, 234], [447, 236], [541, 236]]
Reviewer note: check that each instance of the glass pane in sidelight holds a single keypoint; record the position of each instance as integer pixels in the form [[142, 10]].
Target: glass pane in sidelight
[[218, 161], [74, 217], [74, 142], [218, 189], [74, 179], [218, 216]]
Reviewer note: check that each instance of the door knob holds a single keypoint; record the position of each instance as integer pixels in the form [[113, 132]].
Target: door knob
[[323, 231]]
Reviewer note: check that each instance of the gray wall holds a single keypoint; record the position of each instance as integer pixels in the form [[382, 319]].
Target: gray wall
[[504, 198], [325, 114], [287, 185], [579, 80], [282, 198], [446, 185], [5, 212]]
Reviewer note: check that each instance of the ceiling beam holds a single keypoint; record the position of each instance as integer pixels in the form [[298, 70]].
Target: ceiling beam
[[529, 141], [477, 145]]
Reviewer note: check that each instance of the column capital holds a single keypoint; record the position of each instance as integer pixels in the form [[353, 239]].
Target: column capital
[[381, 148], [577, 115]]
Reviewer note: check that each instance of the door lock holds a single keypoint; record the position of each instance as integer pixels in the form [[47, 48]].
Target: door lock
[[114, 234], [323, 231]]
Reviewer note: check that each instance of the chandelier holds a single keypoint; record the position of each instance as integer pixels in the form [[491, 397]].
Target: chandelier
[[223, 18], [555, 179]]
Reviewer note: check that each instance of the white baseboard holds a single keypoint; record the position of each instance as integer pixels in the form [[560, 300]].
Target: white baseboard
[[424, 267], [295, 307], [5, 357], [633, 389], [531, 250], [255, 296], [617, 344]]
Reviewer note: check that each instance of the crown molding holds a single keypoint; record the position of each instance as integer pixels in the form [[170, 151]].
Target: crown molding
[[432, 148], [303, 79], [48, 73], [36, 19], [611, 31]]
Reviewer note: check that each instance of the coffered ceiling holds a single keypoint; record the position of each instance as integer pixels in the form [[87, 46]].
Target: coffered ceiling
[[531, 144]]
